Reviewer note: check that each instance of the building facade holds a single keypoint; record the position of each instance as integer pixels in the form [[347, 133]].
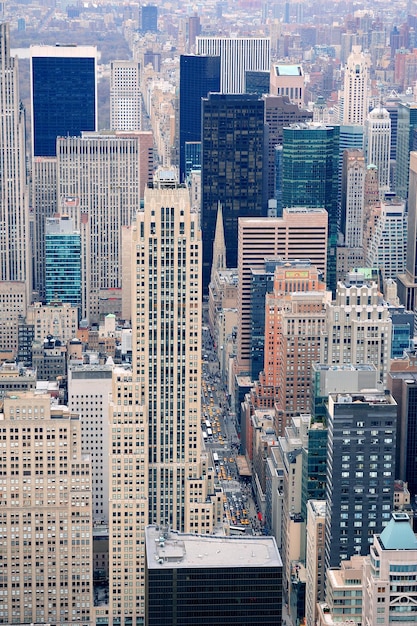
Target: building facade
[[63, 94], [356, 85], [14, 199], [125, 95], [361, 449], [46, 504], [62, 261], [378, 144], [237, 55], [232, 168]]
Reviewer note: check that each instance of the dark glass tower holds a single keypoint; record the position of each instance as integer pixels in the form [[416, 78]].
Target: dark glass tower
[[64, 96], [310, 162], [198, 76], [148, 18], [233, 171]]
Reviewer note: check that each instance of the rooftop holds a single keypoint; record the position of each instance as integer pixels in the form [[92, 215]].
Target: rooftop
[[170, 548], [288, 70], [398, 534]]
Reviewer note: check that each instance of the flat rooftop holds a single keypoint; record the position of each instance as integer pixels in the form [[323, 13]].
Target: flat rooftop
[[179, 550]]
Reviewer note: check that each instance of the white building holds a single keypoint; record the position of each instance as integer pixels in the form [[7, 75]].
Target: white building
[[389, 592], [385, 245], [125, 96], [353, 197], [378, 144], [356, 84], [14, 198], [89, 387], [358, 328], [315, 571], [237, 55]]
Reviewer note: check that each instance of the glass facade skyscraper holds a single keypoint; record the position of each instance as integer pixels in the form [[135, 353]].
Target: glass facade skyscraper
[[233, 169], [64, 94], [62, 261], [310, 161], [198, 76]]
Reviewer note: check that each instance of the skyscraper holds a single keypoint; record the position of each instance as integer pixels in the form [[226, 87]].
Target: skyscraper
[[300, 234], [360, 477], [63, 92], [407, 282], [155, 408], [378, 145], [232, 168], [14, 199], [199, 75], [310, 160], [353, 197], [237, 55], [44, 202], [406, 125], [125, 96], [148, 18], [101, 180], [62, 261], [356, 85]]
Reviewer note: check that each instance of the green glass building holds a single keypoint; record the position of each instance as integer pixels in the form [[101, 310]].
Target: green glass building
[[62, 261], [310, 161], [406, 141]]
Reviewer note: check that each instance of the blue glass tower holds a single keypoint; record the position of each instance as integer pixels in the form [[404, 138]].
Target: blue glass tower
[[198, 76], [64, 94], [62, 261], [310, 172]]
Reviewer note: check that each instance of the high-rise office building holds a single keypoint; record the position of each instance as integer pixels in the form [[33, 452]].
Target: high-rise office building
[[44, 202], [63, 92], [353, 197], [389, 574], [255, 579], [125, 96], [155, 408], [46, 508], [316, 575], [358, 328], [356, 85], [237, 54], [199, 75], [148, 18], [14, 199], [407, 124], [385, 242], [232, 168], [62, 261], [279, 112], [288, 80], [194, 29], [407, 282], [300, 234], [101, 181], [378, 145], [310, 160], [360, 477]]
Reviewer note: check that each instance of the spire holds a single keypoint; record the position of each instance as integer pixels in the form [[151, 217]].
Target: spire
[[219, 246]]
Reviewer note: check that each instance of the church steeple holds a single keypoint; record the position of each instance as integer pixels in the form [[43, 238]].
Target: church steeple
[[219, 245]]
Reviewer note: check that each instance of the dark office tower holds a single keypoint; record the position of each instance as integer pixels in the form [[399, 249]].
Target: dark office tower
[[279, 112], [360, 471], [407, 122], [310, 161], [194, 29], [237, 582], [407, 282], [14, 206], [64, 94], [198, 76], [232, 168], [257, 82], [148, 18]]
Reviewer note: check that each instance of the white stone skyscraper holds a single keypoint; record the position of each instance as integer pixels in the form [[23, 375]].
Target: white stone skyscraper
[[237, 54], [14, 202], [125, 96], [155, 438], [355, 96], [353, 197], [378, 144]]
